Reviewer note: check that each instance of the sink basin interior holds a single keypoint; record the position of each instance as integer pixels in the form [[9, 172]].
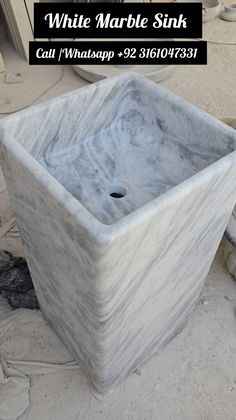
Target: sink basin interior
[[117, 145]]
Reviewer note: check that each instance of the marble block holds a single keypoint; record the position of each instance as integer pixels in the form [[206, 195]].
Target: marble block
[[122, 192]]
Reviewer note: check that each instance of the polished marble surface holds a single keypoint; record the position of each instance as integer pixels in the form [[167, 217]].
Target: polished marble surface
[[117, 277]]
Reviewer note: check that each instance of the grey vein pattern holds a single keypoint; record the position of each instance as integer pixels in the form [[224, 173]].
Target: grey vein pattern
[[117, 277]]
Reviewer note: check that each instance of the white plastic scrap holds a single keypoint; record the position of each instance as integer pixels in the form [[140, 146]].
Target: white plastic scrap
[[14, 391]]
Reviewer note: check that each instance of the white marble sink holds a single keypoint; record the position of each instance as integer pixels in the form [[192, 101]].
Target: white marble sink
[[117, 277]]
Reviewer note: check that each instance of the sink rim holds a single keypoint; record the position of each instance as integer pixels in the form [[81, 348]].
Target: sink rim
[[103, 233]]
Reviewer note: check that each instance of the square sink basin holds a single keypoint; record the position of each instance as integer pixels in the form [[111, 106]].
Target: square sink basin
[[122, 192]]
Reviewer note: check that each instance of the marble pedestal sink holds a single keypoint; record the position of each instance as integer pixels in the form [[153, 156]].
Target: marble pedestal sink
[[122, 192]]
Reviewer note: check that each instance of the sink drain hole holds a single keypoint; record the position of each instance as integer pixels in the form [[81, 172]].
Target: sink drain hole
[[117, 191]]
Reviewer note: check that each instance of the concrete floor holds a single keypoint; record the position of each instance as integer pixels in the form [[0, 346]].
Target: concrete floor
[[194, 377]]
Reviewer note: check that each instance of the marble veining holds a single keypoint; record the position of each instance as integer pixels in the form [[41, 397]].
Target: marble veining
[[120, 136], [117, 277]]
